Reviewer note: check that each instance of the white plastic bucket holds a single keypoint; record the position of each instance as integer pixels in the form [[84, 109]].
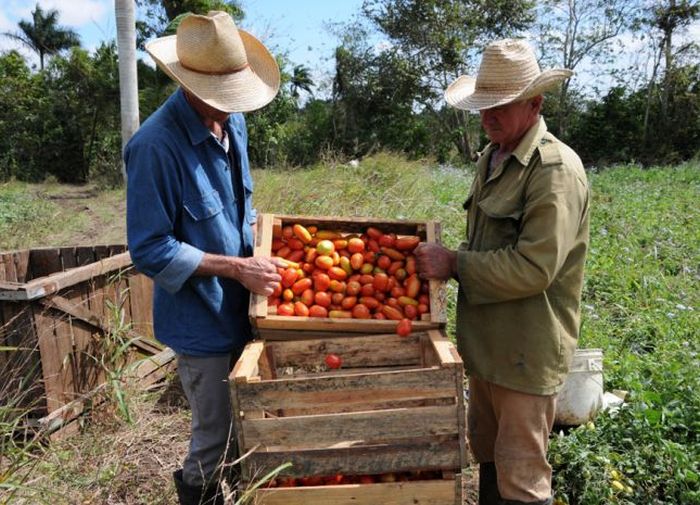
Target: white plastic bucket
[[582, 395]]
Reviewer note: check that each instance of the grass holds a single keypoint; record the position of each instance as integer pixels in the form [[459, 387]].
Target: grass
[[641, 306]]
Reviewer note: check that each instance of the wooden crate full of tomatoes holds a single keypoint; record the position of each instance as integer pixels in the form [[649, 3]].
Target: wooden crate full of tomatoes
[[346, 275], [366, 419]]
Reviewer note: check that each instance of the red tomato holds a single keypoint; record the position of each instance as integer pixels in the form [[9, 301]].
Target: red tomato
[[285, 309], [381, 281], [307, 297], [333, 361], [338, 273], [411, 311], [384, 262], [403, 329], [287, 232], [321, 282], [318, 311], [387, 240], [301, 310], [322, 298], [301, 285], [295, 244], [407, 243], [361, 311], [289, 277], [356, 261], [412, 286], [352, 289], [356, 245]]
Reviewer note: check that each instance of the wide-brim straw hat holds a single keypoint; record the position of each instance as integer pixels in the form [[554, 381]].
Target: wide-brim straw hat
[[508, 72], [220, 64]]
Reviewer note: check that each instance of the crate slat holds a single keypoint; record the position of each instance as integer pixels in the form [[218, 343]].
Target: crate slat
[[368, 427], [431, 492]]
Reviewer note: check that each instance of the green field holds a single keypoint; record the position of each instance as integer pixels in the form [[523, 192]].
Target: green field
[[641, 307]]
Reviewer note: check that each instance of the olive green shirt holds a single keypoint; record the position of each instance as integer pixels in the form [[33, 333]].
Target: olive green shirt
[[520, 271]]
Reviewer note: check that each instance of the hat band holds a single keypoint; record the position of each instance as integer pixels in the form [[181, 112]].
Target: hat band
[[226, 72]]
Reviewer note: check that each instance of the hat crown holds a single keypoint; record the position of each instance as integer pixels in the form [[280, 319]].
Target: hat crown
[[507, 64], [210, 44]]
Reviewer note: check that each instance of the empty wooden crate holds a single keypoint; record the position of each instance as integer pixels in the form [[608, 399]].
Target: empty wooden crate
[[393, 412]]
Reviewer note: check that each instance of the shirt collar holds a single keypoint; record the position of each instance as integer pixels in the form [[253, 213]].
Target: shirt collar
[[196, 131], [529, 142]]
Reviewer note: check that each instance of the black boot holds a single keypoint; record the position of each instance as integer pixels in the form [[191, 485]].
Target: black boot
[[196, 495], [488, 485]]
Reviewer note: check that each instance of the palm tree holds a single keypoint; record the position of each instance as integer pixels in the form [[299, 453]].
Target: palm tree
[[128, 83], [44, 35], [301, 80]]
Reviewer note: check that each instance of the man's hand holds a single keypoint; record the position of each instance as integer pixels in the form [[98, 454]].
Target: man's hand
[[257, 274], [435, 262]]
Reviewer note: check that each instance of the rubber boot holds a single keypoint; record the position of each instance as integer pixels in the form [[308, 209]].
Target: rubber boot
[[488, 485], [196, 495]]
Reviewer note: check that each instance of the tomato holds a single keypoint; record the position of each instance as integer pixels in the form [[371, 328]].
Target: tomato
[[341, 314], [370, 257], [401, 274], [356, 261], [383, 262], [295, 244], [278, 290], [392, 313], [403, 329], [387, 240], [289, 277], [312, 229], [381, 281], [423, 298], [394, 267], [407, 243], [337, 286], [301, 233], [325, 248], [327, 235], [307, 297], [367, 290], [413, 286], [310, 255], [397, 291], [301, 285], [284, 251], [300, 309], [323, 262], [277, 243], [410, 311], [287, 232], [361, 311], [288, 295], [366, 279], [366, 479], [379, 316], [406, 300], [322, 298], [340, 243], [337, 298], [296, 256], [393, 253], [423, 308], [367, 268], [356, 245], [374, 233], [337, 273], [411, 265], [370, 302], [318, 311], [321, 281], [353, 288], [373, 246], [285, 309], [345, 265], [348, 302]]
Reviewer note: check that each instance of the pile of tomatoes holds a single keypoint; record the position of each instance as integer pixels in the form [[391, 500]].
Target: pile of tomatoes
[[363, 276], [331, 480]]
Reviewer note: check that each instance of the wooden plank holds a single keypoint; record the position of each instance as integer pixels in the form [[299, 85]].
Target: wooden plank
[[355, 224], [141, 302], [338, 408], [437, 289], [377, 426], [346, 390], [52, 355], [411, 454], [21, 261], [263, 246], [365, 350], [428, 492], [40, 287], [246, 368], [444, 349], [45, 261], [329, 324]]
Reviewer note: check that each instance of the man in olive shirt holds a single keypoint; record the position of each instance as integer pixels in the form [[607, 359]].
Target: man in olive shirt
[[520, 273]]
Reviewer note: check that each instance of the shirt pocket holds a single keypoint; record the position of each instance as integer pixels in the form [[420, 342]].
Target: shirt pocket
[[204, 206], [501, 224]]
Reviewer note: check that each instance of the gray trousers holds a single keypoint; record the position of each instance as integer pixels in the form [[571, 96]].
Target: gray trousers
[[205, 382]]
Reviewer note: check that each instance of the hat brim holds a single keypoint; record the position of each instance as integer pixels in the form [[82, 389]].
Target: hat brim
[[243, 91], [462, 93]]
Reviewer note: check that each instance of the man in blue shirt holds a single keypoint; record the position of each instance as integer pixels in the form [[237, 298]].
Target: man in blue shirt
[[191, 223]]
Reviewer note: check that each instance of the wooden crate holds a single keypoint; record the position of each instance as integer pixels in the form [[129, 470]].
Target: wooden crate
[[55, 308], [272, 326], [395, 405]]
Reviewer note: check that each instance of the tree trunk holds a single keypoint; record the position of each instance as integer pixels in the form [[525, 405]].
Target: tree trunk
[[128, 83]]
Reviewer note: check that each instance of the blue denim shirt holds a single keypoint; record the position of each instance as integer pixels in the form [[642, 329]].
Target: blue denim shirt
[[181, 203]]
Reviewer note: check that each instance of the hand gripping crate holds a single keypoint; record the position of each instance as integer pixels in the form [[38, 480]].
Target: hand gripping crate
[[393, 410]]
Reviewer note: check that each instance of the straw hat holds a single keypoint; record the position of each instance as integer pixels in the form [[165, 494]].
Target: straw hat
[[508, 73], [222, 65]]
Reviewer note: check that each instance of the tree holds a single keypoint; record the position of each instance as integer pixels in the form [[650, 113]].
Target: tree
[[128, 81], [43, 34], [439, 40], [572, 31], [301, 80]]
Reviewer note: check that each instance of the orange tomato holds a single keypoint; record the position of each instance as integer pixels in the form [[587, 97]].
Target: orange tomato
[[322, 298], [356, 261], [323, 262], [337, 273], [340, 243], [392, 313], [283, 251], [337, 286], [287, 295], [410, 265], [289, 277], [300, 309], [301, 285], [307, 297], [285, 309], [361, 311], [353, 288], [301, 233], [356, 245], [348, 302], [321, 281], [325, 248], [340, 314], [412, 286], [337, 298]]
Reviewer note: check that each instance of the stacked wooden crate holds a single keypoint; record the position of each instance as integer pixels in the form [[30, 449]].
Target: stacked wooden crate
[[387, 427]]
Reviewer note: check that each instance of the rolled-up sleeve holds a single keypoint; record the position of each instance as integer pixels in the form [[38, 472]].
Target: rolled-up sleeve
[[556, 200], [153, 203]]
